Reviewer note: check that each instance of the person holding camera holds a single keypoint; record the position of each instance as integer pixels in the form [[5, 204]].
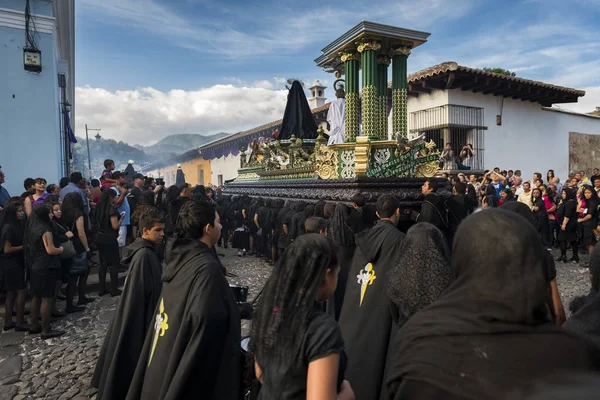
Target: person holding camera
[[467, 156]]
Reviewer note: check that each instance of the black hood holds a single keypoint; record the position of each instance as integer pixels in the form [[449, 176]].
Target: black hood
[[133, 248], [178, 252], [298, 119], [372, 240]]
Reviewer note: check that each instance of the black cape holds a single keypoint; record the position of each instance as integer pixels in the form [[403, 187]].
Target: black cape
[[433, 210], [366, 326], [193, 349], [134, 314], [298, 119], [490, 332]]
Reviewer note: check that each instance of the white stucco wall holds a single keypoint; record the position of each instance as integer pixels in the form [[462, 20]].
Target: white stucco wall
[[226, 166], [530, 138]]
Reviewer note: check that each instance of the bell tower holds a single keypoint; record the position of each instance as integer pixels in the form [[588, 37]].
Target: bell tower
[[317, 91]]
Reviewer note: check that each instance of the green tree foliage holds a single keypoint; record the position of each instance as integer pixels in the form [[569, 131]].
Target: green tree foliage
[[500, 71]]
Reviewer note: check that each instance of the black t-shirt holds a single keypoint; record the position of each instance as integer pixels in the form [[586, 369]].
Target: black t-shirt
[[592, 209], [13, 235], [134, 198], [105, 226], [322, 338], [40, 259]]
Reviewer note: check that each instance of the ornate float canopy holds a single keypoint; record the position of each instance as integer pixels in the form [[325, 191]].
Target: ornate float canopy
[[369, 150]]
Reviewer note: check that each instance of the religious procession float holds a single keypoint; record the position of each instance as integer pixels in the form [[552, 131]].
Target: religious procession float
[[359, 153]]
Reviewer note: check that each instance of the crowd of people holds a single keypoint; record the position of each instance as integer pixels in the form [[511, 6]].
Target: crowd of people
[[364, 301], [50, 232]]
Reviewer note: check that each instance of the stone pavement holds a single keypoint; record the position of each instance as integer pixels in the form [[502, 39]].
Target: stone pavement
[[61, 368]]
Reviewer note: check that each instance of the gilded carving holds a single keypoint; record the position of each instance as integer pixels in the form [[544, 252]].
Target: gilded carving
[[427, 170], [362, 156], [399, 120], [369, 111], [383, 59], [401, 51], [247, 176], [327, 163], [370, 45], [352, 101], [350, 57]]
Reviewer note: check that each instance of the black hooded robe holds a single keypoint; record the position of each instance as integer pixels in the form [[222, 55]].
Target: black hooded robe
[[192, 350], [367, 325], [298, 119], [135, 313]]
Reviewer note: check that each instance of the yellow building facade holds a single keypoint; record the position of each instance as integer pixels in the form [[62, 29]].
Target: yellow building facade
[[196, 171]]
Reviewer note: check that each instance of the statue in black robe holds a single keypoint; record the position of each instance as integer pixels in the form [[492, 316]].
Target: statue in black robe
[[298, 119], [134, 314]]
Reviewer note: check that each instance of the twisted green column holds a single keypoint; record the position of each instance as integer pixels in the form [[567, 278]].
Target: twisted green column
[[399, 90], [382, 71], [351, 67], [369, 97]]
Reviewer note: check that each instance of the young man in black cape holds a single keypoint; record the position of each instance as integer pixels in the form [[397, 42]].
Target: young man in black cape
[[433, 210], [135, 313], [365, 320], [192, 349]]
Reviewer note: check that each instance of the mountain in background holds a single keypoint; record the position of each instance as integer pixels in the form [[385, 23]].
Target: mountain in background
[[121, 152], [180, 143]]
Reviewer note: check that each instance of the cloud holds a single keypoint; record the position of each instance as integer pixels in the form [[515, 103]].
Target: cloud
[[264, 84], [145, 115], [251, 30], [538, 43]]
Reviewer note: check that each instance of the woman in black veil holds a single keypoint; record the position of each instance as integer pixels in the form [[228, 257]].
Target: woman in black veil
[[491, 331], [422, 273]]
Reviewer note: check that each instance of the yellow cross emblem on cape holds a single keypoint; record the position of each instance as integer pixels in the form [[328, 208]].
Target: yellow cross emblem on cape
[[365, 277], [160, 327]]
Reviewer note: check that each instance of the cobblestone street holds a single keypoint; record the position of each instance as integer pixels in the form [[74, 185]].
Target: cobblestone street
[[61, 368]]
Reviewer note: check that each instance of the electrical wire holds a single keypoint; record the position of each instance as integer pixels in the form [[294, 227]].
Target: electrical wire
[[30, 29]]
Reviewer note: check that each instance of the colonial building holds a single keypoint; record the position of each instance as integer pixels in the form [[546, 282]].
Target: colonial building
[[37, 82], [194, 167], [509, 121]]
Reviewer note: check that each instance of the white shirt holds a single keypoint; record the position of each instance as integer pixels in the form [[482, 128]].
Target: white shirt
[[519, 190]]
